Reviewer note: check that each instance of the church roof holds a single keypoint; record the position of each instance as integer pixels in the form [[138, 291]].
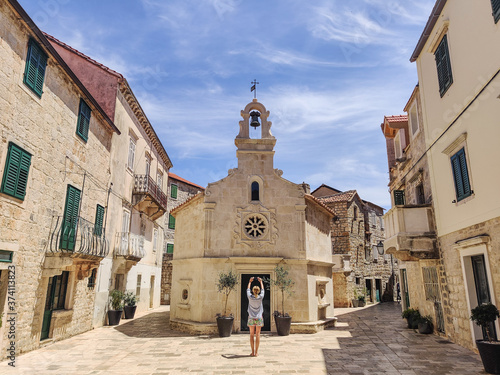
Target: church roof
[[188, 202]]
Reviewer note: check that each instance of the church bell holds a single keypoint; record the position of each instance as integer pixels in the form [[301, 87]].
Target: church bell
[[255, 119]]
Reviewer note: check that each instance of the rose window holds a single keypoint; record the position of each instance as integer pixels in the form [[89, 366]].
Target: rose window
[[255, 226]]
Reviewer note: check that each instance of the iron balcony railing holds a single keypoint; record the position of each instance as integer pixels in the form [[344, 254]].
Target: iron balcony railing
[[146, 185], [75, 235], [129, 245]]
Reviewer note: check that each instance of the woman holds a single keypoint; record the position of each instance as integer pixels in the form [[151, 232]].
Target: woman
[[255, 311]]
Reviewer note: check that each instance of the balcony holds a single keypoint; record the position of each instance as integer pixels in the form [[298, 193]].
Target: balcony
[[410, 233], [77, 238], [130, 246], [148, 198]]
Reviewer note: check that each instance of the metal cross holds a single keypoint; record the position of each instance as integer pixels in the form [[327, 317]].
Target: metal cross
[[254, 88]]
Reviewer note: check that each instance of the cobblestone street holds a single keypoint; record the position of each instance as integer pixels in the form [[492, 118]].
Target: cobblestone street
[[372, 340]]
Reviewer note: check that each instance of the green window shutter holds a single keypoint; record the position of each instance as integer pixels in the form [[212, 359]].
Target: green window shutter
[[460, 175], [82, 127], [36, 63], [171, 222], [99, 218], [15, 176], [170, 248], [70, 219], [443, 66], [399, 197], [173, 191], [495, 4]]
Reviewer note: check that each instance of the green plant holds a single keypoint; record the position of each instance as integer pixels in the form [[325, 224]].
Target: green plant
[[116, 297], [484, 315], [130, 299], [227, 282], [408, 313], [284, 283]]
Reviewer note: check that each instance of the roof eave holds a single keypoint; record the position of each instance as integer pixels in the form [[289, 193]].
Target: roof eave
[[431, 22]]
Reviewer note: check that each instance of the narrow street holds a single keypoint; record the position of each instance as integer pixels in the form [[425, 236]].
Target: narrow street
[[372, 340]]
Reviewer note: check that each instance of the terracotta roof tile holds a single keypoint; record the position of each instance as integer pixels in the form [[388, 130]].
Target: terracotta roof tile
[[178, 178], [319, 203], [398, 118], [340, 197]]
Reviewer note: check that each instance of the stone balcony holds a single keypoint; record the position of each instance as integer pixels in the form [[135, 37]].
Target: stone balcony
[[129, 246], [147, 197], [410, 232]]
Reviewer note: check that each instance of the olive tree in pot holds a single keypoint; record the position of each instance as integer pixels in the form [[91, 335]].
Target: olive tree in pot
[[284, 284], [226, 284], [130, 305], [115, 314], [412, 317], [489, 350]]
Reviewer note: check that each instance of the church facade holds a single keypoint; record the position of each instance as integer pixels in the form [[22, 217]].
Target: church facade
[[249, 222]]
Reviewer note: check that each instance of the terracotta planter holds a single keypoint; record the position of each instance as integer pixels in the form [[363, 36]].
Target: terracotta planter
[[283, 325], [114, 317], [129, 312], [225, 326], [490, 355]]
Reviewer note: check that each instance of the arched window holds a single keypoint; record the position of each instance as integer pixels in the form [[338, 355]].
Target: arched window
[[255, 191]]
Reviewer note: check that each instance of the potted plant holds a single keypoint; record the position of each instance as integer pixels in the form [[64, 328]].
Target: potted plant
[[425, 324], [355, 300], [130, 301], [362, 299], [285, 284], [412, 316], [226, 283], [114, 315], [489, 350]]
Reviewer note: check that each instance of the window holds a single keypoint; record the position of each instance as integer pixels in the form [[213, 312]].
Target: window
[[381, 222], [495, 4], [70, 219], [375, 253], [138, 287], [155, 239], [15, 175], [397, 145], [431, 285], [148, 164], [255, 191], [6, 256], [82, 127], [34, 73], [419, 191], [125, 221], [367, 253], [131, 153], [160, 180], [355, 213], [99, 218], [399, 197], [414, 119], [60, 285], [358, 280], [92, 277], [170, 248], [443, 65], [461, 175], [171, 222], [173, 191]]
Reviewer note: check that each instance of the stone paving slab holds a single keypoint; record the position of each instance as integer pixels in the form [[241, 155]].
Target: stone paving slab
[[372, 340]]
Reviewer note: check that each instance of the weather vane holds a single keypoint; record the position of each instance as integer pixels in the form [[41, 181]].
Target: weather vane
[[254, 88]]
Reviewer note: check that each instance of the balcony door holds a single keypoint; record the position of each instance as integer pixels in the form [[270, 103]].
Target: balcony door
[[70, 218]]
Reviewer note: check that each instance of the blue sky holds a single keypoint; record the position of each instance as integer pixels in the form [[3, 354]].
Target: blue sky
[[329, 70]]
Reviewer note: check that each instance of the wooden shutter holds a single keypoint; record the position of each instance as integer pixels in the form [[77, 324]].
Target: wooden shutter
[[84, 113], [170, 248], [15, 177], [36, 63], [443, 65], [460, 175], [99, 218], [171, 222], [173, 191], [495, 4], [399, 197], [70, 219]]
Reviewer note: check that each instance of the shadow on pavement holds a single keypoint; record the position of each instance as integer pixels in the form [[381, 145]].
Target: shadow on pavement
[[235, 356]]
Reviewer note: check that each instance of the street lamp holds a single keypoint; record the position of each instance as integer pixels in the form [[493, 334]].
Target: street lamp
[[380, 248]]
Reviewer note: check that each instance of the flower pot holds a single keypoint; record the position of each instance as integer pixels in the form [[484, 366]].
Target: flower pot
[[355, 302], [129, 312], [114, 317], [361, 303], [425, 328], [225, 325], [490, 355], [283, 324]]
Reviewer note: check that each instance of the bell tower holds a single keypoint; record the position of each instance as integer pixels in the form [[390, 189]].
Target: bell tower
[[256, 154]]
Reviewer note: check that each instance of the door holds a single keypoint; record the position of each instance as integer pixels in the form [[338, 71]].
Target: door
[[47, 313], [404, 290], [368, 283], [378, 289], [151, 292], [482, 289], [244, 301], [70, 218]]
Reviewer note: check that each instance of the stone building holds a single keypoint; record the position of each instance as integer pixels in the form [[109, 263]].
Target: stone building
[[459, 82], [137, 199], [250, 222], [55, 161], [356, 230], [179, 190]]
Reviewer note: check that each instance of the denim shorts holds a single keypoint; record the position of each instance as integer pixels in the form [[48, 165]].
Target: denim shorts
[[259, 322]]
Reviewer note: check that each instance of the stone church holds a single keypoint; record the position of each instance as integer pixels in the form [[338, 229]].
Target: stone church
[[250, 222]]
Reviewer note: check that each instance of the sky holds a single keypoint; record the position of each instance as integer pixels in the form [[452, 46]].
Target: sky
[[328, 72]]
